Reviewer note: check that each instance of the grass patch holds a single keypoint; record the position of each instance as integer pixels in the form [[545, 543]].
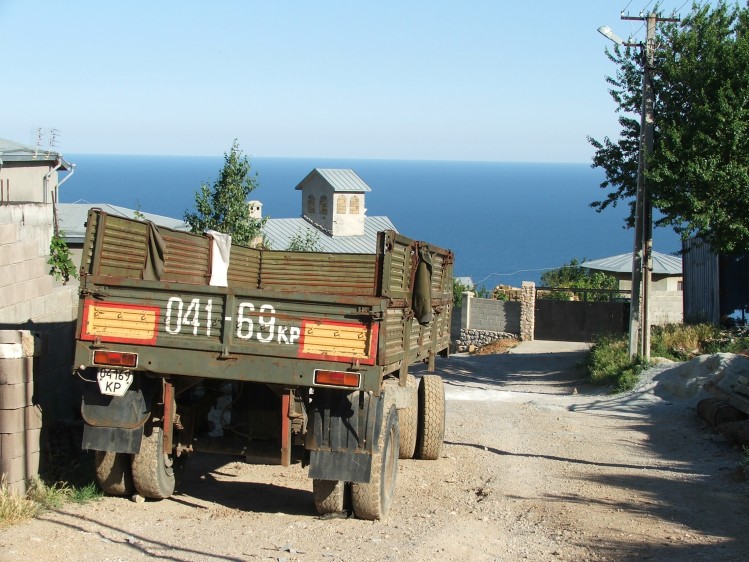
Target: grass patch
[[15, 508], [40, 497], [608, 361], [609, 364]]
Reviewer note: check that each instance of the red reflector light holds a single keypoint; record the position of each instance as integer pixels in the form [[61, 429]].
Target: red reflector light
[[338, 378], [116, 358]]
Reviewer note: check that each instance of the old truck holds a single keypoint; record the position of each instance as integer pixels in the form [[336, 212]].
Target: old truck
[[188, 343]]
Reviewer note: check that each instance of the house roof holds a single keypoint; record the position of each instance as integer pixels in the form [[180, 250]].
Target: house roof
[[663, 264], [280, 232], [72, 218], [15, 152], [341, 180], [465, 281]]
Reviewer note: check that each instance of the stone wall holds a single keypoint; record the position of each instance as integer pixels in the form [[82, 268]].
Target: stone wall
[[528, 311], [484, 321], [38, 394]]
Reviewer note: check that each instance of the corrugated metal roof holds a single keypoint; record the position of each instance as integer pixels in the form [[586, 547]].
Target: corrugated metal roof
[[72, 218], [341, 180], [663, 264], [15, 152], [280, 232]]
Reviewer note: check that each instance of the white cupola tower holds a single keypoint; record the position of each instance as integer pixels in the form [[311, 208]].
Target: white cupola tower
[[334, 201]]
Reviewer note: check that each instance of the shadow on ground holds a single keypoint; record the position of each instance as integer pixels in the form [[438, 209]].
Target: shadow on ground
[[694, 482], [543, 373]]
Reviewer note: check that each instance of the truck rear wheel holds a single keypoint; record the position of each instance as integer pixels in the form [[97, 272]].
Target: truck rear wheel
[[330, 496], [113, 473], [431, 426], [372, 500], [153, 474], [408, 420]]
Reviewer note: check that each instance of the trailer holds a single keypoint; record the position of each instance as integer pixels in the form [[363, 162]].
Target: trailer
[[191, 344]]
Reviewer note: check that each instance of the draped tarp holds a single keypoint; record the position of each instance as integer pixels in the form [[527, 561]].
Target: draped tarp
[[422, 288], [154, 267]]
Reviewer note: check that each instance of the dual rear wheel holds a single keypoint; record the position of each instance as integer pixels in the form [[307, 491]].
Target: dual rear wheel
[[149, 473], [416, 431]]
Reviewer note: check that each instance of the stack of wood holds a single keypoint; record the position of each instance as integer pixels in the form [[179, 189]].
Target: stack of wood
[[728, 410]]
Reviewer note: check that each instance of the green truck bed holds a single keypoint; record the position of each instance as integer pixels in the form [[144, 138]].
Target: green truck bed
[[282, 315], [189, 345]]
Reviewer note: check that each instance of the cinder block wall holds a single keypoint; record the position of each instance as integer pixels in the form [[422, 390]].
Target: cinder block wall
[[37, 390], [666, 307], [494, 316]]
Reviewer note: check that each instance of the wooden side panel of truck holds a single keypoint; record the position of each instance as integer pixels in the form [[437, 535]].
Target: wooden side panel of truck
[[288, 356]]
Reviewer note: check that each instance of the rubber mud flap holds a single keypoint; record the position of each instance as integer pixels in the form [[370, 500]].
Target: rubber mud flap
[[342, 435], [126, 412]]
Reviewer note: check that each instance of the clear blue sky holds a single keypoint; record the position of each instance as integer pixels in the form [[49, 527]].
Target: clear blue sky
[[437, 80]]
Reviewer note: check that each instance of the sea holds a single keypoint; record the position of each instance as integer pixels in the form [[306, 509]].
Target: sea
[[506, 222]]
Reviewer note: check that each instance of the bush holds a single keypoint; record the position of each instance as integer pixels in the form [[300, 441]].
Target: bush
[[608, 361]]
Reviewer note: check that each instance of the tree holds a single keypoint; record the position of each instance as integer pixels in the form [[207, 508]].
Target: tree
[[224, 207], [573, 275], [698, 173], [307, 241]]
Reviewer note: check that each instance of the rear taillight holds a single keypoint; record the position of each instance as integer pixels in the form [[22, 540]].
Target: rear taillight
[[115, 358], [338, 378]]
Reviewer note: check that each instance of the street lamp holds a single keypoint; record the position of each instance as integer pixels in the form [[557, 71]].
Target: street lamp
[[605, 30]]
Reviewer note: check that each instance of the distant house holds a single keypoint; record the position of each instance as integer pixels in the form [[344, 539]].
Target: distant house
[[333, 210], [71, 218], [466, 282], [667, 302], [667, 275], [29, 174]]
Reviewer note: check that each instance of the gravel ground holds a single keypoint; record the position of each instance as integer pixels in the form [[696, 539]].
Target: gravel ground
[[536, 466]]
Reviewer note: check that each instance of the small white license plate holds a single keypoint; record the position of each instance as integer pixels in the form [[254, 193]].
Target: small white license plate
[[114, 382]]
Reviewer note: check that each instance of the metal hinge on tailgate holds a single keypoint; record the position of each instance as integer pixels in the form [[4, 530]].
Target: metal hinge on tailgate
[[95, 293], [370, 314]]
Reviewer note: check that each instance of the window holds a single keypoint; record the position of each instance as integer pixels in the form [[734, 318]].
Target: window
[[310, 204], [323, 205], [354, 205], [340, 205]]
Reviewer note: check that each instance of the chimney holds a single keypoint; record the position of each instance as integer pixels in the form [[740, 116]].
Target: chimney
[[256, 209]]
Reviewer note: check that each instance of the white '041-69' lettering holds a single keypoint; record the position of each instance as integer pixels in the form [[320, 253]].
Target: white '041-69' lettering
[[184, 317]]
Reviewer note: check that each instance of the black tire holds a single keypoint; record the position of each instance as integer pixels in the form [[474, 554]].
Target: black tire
[[330, 496], [372, 500], [153, 474], [408, 423], [431, 426], [113, 473]]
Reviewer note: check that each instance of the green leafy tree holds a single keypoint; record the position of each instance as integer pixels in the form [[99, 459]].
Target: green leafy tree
[[306, 241], [223, 206], [458, 290], [698, 173], [575, 276], [60, 261]]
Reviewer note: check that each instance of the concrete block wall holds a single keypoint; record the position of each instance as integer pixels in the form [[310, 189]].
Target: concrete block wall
[[666, 307], [20, 417], [494, 315], [36, 387], [483, 321]]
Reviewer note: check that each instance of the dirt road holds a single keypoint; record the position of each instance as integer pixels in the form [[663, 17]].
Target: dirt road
[[537, 466]]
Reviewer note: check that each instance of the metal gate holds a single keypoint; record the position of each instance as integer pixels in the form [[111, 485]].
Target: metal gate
[[579, 320]]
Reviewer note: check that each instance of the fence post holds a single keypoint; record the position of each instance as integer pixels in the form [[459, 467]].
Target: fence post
[[527, 310], [465, 311]]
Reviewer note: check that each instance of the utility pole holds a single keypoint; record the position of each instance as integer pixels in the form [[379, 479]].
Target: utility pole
[[642, 258]]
